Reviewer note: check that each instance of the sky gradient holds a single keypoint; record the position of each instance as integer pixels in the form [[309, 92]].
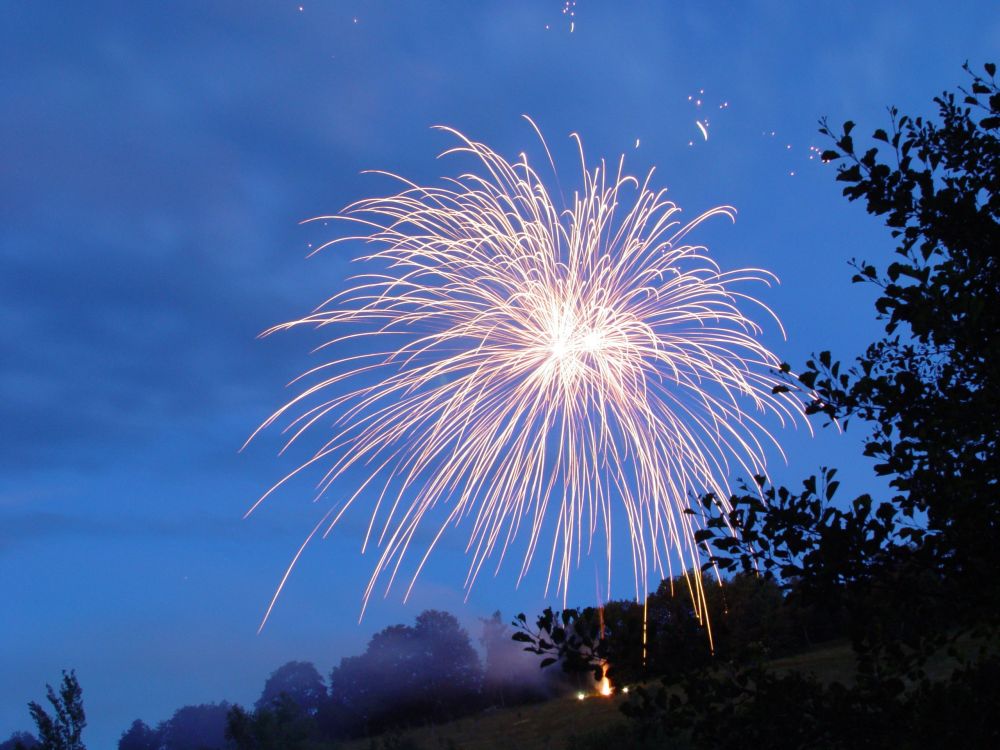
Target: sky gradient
[[157, 160]]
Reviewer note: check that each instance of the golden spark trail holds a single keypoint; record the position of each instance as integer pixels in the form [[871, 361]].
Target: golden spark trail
[[537, 370]]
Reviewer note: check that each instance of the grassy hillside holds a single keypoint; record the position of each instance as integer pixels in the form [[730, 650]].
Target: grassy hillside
[[551, 725], [543, 726], [831, 662]]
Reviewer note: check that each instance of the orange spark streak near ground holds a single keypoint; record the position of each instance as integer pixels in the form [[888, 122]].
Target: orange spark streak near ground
[[570, 366]]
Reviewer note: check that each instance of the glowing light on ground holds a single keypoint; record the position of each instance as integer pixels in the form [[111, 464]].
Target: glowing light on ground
[[538, 370], [604, 686]]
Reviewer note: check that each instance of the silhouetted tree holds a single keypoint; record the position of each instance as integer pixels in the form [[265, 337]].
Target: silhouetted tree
[[570, 638], [425, 673], [928, 389], [751, 616], [201, 727], [20, 741], [918, 568], [300, 681], [282, 725], [609, 641], [63, 730], [677, 638], [139, 736]]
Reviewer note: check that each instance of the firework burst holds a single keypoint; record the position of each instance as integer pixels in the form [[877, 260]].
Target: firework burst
[[540, 371]]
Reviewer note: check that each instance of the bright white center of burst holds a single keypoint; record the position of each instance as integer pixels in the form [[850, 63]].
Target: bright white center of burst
[[560, 348], [573, 346], [577, 346], [576, 342], [592, 341]]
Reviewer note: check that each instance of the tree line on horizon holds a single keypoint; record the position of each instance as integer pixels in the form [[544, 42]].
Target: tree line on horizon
[[407, 675], [429, 672]]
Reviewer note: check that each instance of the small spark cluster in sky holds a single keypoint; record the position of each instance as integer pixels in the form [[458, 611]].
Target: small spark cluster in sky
[[813, 153], [569, 11], [698, 100], [702, 122], [302, 8]]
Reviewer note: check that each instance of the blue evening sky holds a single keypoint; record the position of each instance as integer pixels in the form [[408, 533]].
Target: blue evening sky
[[156, 160]]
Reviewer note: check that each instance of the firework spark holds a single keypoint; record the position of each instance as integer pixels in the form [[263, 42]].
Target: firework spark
[[539, 371]]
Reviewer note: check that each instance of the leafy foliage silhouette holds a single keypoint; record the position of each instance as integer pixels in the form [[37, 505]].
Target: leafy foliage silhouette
[[63, 729], [282, 723], [300, 681], [20, 741], [407, 675], [139, 736], [915, 573]]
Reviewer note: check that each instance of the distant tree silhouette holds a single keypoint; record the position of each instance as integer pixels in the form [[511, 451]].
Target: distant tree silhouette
[[300, 681], [201, 727], [64, 728], [19, 741], [428, 672], [139, 736], [282, 725], [751, 617]]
